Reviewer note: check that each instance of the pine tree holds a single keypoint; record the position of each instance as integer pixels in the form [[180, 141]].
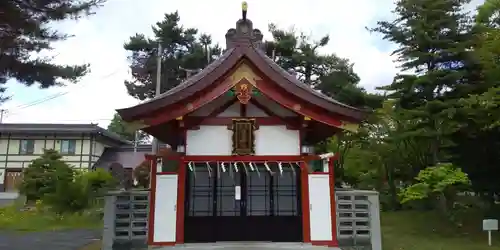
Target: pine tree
[[433, 40], [25, 31], [182, 49]]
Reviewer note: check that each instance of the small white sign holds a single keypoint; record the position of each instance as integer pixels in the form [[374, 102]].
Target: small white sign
[[490, 225], [237, 193]]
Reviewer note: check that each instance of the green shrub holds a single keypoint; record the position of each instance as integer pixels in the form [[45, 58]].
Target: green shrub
[[74, 196], [98, 181], [43, 174], [142, 173], [79, 194]]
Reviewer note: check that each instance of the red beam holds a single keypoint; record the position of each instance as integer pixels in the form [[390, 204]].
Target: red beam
[[192, 123], [187, 106], [222, 108], [298, 106], [272, 114], [263, 108], [250, 158], [225, 121]]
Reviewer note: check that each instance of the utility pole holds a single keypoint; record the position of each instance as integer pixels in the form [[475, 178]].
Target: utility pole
[[2, 112], [154, 144], [136, 138]]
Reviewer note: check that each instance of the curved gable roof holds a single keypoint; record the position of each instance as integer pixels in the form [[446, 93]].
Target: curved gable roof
[[242, 45]]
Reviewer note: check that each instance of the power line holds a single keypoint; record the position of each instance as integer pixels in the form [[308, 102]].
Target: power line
[[54, 96], [81, 120]]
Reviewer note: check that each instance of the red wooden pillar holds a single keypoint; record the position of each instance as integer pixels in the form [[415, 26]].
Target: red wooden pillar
[[152, 197], [333, 203], [306, 217], [181, 197]]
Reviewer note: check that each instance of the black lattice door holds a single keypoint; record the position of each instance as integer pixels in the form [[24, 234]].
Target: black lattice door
[[247, 204]]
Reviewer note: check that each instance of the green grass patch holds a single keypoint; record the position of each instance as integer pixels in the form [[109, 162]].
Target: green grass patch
[[416, 230], [12, 219]]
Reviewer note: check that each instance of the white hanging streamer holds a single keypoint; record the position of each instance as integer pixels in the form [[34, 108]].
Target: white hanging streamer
[[293, 168], [190, 165], [223, 167], [209, 170], [251, 166], [256, 169], [280, 167], [235, 167], [245, 168], [268, 168]]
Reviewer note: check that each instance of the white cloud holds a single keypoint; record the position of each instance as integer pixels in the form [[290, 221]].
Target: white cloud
[[99, 41]]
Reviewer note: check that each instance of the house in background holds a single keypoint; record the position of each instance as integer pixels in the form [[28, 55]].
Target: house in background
[[84, 146]]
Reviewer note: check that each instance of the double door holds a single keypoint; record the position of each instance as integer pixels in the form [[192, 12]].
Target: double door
[[243, 204]]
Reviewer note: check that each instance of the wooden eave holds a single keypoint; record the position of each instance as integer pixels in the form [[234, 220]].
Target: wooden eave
[[209, 77]]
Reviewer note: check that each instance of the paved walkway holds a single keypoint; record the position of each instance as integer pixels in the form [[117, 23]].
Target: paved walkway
[[55, 240], [7, 198], [247, 246]]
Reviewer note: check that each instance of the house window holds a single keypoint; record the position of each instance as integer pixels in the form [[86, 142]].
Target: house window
[[68, 147], [26, 147]]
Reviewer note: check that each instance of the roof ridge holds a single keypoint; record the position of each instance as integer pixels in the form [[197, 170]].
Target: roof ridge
[[292, 79]]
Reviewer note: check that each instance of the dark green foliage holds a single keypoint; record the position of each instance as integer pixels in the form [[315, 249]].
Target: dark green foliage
[[333, 75], [24, 31], [43, 175], [125, 130], [442, 107], [98, 181], [78, 195], [61, 187], [182, 48], [73, 196]]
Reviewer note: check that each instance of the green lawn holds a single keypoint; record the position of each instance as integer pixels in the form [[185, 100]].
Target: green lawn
[[426, 231], [408, 230], [14, 220]]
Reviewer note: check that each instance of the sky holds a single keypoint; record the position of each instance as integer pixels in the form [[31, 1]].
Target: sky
[[98, 40]]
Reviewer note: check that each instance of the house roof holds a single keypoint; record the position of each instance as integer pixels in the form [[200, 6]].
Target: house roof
[[242, 45], [125, 155], [45, 128]]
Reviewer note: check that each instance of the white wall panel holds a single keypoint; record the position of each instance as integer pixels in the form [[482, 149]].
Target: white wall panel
[[209, 140], [165, 208], [277, 140], [320, 207]]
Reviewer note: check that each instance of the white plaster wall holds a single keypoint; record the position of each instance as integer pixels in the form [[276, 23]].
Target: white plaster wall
[[277, 140], [209, 140], [164, 228], [320, 207], [217, 140]]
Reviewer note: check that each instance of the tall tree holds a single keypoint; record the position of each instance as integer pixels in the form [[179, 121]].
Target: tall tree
[[126, 131], [332, 75], [432, 36], [25, 31], [183, 51], [476, 139], [448, 91]]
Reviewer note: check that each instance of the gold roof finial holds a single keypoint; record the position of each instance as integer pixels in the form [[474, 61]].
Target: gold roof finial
[[244, 7]]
